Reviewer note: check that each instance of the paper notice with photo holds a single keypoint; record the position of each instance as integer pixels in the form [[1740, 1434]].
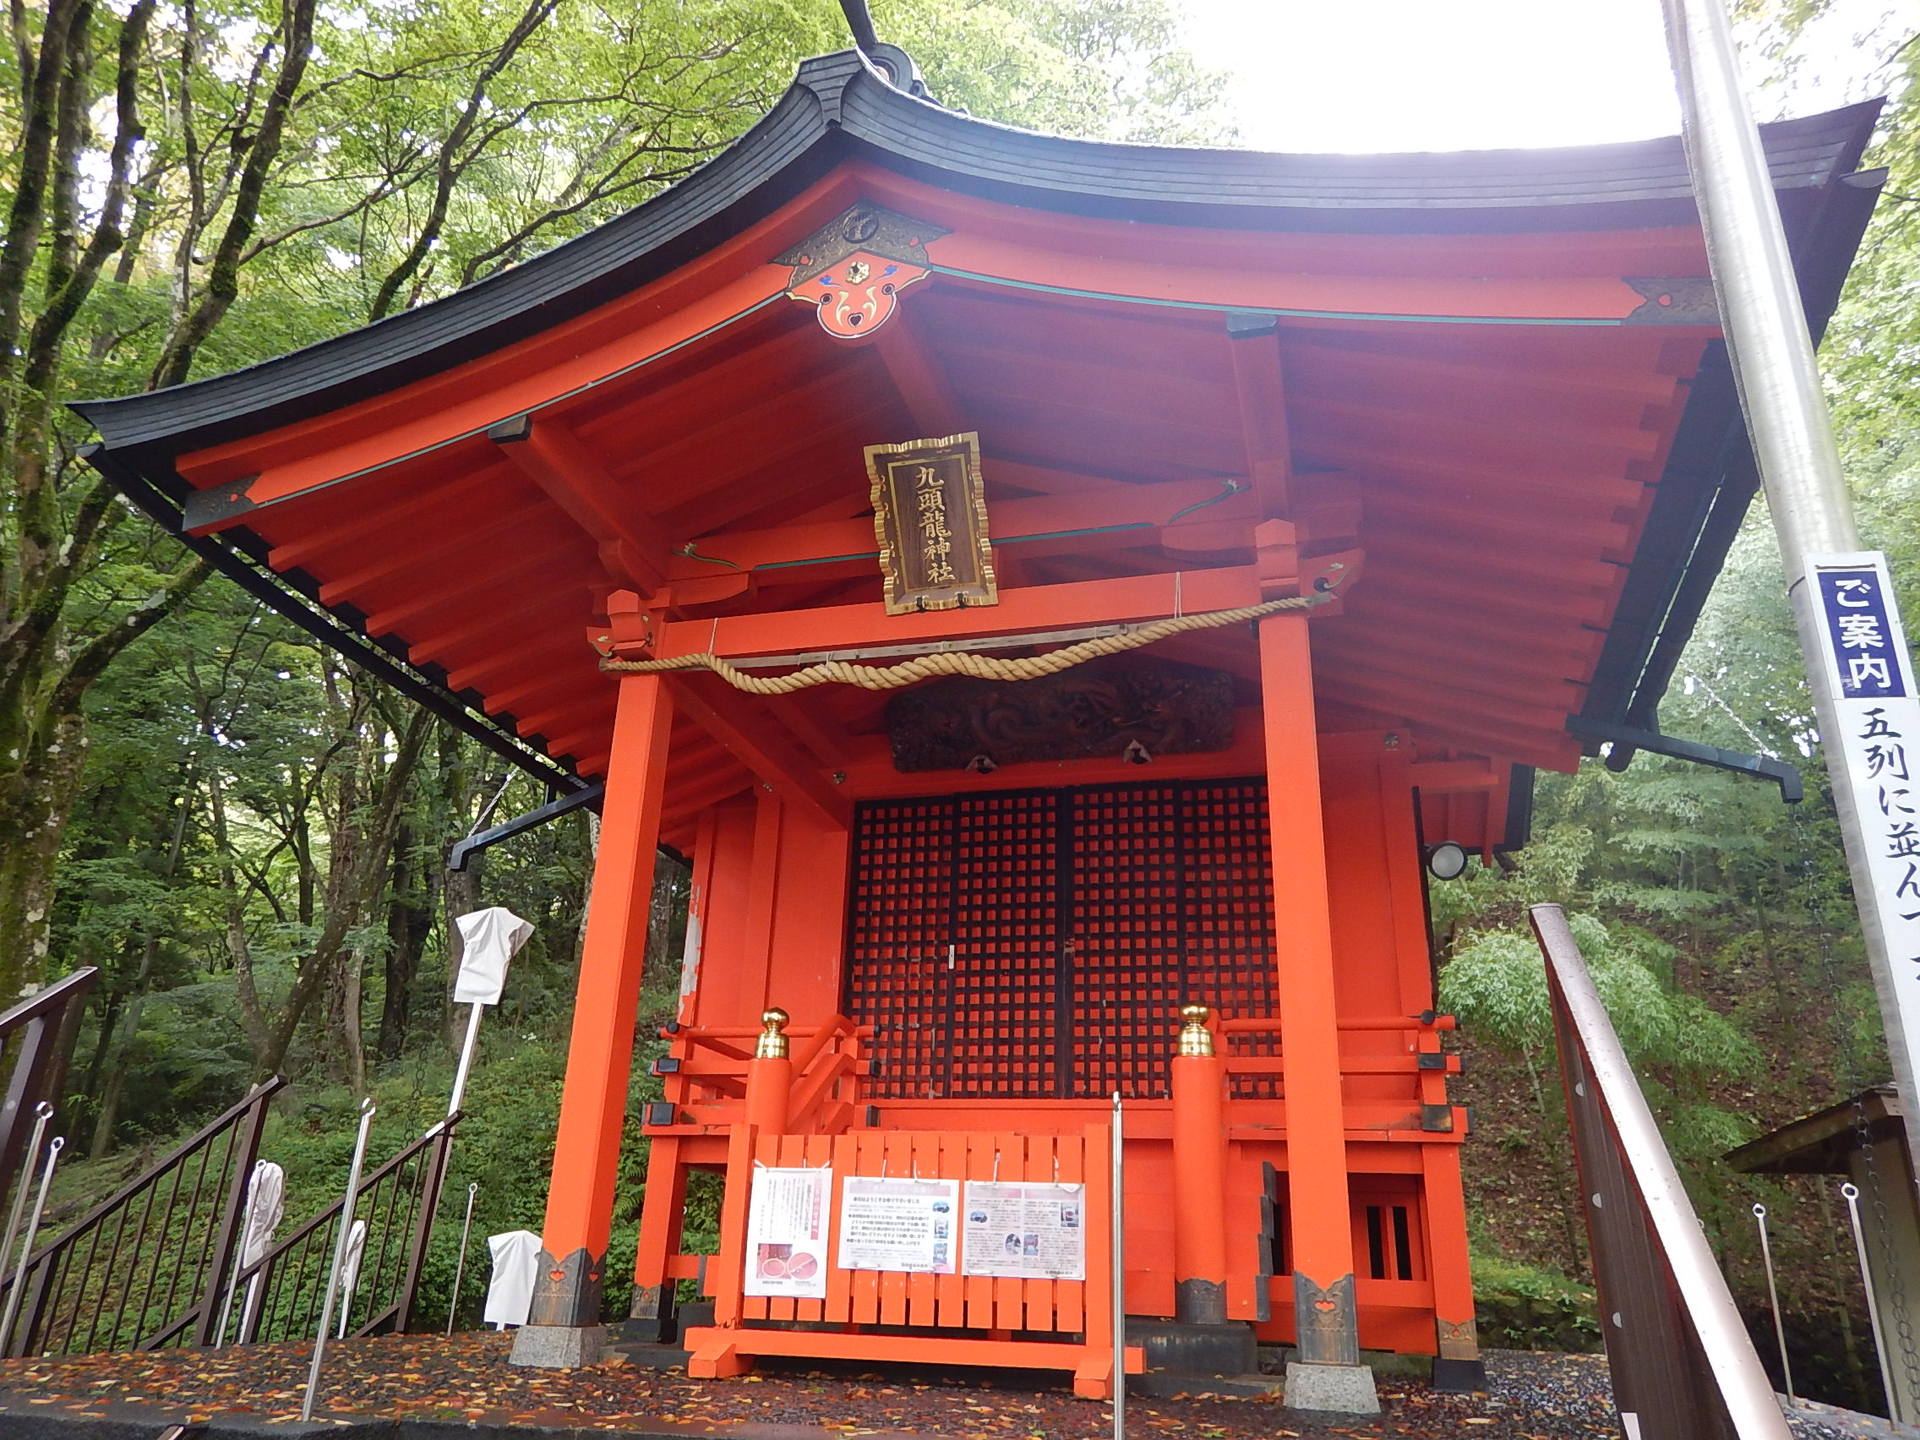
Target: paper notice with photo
[[1029, 1231], [899, 1224], [787, 1232]]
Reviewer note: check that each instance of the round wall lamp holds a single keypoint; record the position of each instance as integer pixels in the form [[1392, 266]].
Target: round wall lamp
[[1447, 860]]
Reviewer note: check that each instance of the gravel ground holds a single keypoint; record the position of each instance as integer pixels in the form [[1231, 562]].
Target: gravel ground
[[1574, 1391], [1529, 1397]]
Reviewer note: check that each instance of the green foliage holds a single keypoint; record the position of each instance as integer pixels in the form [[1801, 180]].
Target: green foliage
[[1495, 982], [1528, 1307]]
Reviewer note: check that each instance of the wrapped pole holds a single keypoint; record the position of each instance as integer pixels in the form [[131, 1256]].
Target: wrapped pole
[[339, 1258], [488, 941]]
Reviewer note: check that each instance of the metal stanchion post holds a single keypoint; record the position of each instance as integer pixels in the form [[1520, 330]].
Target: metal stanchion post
[[460, 1266], [1773, 1302], [1119, 1281], [339, 1258], [1851, 1194], [26, 1245], [42, 1113]]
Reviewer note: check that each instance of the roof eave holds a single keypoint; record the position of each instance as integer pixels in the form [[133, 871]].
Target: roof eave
[[839, 105]]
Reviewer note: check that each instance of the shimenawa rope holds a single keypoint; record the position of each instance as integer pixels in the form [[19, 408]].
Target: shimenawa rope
[[980, 667]]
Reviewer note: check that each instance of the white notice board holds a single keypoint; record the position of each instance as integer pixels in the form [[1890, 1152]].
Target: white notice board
[[1027, 1230], [787, 1232], [899, 1224]]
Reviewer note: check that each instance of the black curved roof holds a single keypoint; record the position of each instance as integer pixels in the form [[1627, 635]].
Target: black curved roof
[[840, 106]]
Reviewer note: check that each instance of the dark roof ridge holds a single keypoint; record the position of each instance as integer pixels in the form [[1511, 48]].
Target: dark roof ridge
[[840, 104]]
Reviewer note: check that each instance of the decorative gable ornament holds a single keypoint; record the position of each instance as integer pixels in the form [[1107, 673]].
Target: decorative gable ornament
[[853, 270]]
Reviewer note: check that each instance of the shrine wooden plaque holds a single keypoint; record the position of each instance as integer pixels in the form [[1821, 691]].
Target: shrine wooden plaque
[[930, 519]]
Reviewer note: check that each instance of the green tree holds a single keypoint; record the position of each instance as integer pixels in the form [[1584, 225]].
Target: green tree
[[196, 188]]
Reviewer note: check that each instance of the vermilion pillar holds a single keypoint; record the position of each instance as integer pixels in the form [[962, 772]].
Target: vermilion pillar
[[1199, 1088], [1318, 1208], [563, 1326]]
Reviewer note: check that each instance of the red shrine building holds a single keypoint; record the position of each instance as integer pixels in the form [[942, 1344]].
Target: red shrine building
[[1054, 594]]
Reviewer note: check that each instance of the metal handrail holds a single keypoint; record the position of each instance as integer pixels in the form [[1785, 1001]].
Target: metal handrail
[[64, 1290], [38, 1034], [1648, 1246], [275, 1309]]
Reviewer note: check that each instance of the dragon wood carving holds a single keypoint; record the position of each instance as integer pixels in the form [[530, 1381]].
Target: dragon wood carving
[[1138, 708]]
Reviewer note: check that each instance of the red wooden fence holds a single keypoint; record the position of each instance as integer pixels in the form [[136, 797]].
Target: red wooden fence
[[939, 1319]]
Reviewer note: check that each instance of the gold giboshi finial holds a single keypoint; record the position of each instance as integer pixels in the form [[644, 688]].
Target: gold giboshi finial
[[772, 1044], [1195, 1038]]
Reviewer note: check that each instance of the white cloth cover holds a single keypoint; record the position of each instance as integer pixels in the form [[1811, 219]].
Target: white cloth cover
[[488, 940], [350, 1270], [516, 1264], [266, 1202]]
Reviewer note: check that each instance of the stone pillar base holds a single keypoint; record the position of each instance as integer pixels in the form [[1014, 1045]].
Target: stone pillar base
[[558, 1347], [1340, 1389], [1459, 1377]]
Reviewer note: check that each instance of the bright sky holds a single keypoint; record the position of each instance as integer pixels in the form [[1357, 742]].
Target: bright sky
[[1472, 74]]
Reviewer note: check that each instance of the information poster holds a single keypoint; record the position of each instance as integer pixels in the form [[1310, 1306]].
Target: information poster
[[898, 1224], [1026, 1230], [787, 1232]]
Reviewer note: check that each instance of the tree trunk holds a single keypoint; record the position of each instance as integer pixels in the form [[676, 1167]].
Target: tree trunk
[[409, 918], [352, 890], [353, 1050], [37, 793]]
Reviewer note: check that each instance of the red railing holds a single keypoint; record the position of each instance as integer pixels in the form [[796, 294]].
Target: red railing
[[713, 1063]]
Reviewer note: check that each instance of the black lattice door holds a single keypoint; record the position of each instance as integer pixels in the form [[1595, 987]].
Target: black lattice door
[[1037, 944]]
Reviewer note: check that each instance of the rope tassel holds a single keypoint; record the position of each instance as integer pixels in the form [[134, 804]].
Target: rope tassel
[[979, 667]]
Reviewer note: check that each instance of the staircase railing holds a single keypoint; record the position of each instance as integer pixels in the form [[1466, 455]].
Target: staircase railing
[[279, 1296], [37, 1036], [1683, 1365], [145, 1268]]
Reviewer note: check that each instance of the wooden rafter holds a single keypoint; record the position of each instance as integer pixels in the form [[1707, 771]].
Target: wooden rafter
[[758, 742], [1017, 523], [390, 562], [1260, 392], [308, 542], [902, 347], [453, 595], [632, 545]]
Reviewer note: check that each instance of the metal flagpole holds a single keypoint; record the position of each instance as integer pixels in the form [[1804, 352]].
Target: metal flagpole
[[1842, 605], [1851, 1194], [466, 1059], [42, 1113], [339, 1258], [1119, 1280], [1773, 1303]]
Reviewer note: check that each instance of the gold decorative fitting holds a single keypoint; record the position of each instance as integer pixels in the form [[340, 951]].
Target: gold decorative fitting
[[1195, 1038], [772, 1044]]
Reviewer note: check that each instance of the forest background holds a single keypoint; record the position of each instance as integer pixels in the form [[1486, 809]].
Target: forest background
[[249, 838]]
